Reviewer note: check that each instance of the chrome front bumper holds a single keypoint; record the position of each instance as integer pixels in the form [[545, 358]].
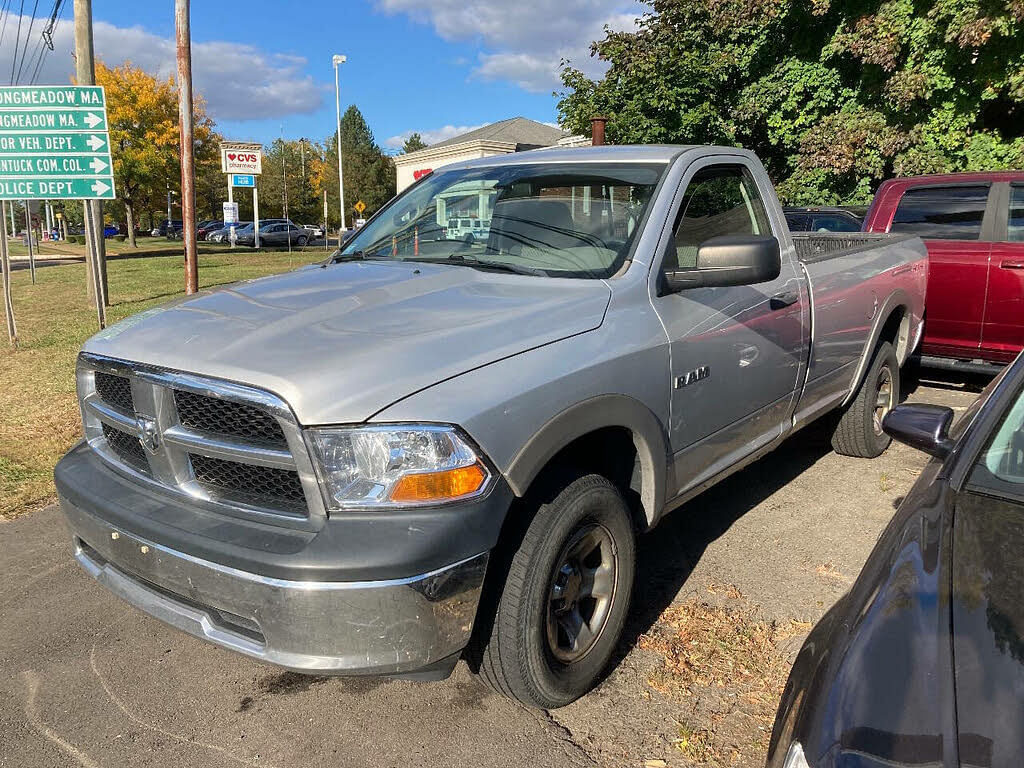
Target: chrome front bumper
[[395, 626]]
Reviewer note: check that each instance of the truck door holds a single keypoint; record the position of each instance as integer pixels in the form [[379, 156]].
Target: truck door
[[1002, 335], [735, 352], [949, 218]]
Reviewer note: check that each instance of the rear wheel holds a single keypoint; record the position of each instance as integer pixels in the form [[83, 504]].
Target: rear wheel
[[859, 432], [562, 608]]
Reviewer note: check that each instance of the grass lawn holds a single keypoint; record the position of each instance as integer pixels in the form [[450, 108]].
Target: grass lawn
[[39, 417]]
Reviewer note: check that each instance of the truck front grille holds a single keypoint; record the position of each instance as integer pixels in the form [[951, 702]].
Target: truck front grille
[[221, 443], [115, 391], [223, 417], [127, 448], [247, 483]]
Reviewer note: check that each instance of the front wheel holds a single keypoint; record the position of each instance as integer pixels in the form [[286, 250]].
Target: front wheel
[[859, 432], [564, 603], [300, 242]]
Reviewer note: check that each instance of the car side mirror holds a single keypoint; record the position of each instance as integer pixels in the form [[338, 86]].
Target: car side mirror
[[925, 427], [729, 260]]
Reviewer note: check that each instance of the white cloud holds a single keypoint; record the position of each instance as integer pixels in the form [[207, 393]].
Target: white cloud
[[431, 136], [238, 81], [525, 41]]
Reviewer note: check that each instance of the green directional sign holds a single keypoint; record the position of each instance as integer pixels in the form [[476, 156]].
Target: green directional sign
[[23, 143], [54, 165], [56, 189], [54, 143]]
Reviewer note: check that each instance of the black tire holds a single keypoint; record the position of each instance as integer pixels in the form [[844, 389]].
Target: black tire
[[859, 431], [301, 242], [519, 656]]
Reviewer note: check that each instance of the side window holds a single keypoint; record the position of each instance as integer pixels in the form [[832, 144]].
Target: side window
[[1016, 218], [720, 200], [1001, 466], [942, 213]]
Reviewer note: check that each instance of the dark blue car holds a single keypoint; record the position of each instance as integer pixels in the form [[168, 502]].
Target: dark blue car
[[921, 663]]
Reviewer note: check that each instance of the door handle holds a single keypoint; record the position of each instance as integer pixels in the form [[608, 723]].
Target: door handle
[[1012, 264], [783, 300]]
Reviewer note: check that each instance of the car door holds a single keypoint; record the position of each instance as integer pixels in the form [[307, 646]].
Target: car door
[[735, 352], [1002, 335], [952, 221], [987, 587]]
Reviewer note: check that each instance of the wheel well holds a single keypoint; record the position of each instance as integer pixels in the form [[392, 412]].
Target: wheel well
[[609, 452], [896, 330]]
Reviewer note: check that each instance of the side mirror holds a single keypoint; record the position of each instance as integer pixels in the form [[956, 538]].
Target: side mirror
[[925, 427], [729, 260]]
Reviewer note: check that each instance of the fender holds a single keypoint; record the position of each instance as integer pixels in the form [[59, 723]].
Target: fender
[[590, 415], [897, 300]]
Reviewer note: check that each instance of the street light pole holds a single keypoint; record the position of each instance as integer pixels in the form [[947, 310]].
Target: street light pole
[[338, 60]]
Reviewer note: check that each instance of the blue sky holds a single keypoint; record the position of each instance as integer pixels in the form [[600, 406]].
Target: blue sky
[[433, 66]]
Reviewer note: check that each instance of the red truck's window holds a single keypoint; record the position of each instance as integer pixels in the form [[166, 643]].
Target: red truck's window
[[942, 213], [1016, 220]]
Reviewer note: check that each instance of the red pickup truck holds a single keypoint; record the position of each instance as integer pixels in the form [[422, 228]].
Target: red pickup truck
[[973, 227]]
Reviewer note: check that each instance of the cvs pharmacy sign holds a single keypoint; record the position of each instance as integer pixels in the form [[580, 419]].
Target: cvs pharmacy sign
[[234, 160]]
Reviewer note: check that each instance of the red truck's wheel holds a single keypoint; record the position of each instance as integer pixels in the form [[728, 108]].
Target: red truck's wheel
[[859, 432], [565, 600]]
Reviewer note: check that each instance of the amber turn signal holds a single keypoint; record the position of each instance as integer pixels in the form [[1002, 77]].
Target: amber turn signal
[[439, 486]]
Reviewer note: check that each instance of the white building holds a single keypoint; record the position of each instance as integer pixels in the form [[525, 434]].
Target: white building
[[513, 135]]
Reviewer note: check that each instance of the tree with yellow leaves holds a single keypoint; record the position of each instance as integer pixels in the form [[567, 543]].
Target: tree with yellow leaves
[[142, 116]]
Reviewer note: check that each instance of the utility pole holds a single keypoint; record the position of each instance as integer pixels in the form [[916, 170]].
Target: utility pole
[[188, 171], [28, 240], [85, 74]]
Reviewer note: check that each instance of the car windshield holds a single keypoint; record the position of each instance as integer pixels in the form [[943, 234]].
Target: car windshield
[[549, 219]]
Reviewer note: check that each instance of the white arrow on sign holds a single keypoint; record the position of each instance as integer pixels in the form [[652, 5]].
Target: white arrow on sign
[[97, 165], [99, 188], [95, 142], [92, 120]]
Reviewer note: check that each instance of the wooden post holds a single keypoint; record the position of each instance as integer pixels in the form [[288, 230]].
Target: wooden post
[[5, 264]]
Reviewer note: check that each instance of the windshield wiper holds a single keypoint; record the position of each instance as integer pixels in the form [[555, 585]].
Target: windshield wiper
[[501, 266], [354, 256]]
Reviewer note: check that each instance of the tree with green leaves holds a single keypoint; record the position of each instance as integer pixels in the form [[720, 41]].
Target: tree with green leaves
[[413, 143], [834, 95]]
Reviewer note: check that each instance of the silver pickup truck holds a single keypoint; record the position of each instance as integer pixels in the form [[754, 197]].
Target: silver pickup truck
[[430, 448]]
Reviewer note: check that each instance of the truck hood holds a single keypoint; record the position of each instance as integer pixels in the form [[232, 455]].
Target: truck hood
[[342, 342]]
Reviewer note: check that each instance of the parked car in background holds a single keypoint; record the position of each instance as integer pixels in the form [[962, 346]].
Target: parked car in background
[[221, 235], [453, 437], [274, 234], [315, 230], [973, 226], [822, 220], [207, 228], [922, 661], [110, 230]]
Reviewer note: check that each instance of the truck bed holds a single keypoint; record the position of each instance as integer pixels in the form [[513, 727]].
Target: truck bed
[[818, 246]]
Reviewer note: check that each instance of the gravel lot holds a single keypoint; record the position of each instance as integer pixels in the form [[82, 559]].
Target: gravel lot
[[87, 681]]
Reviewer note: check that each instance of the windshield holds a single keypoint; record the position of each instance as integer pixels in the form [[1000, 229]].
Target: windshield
[[557, 219]]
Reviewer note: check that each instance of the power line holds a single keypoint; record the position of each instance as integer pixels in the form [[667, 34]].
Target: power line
[[17, 40], [28, 37], [6, 15], [46, 36]]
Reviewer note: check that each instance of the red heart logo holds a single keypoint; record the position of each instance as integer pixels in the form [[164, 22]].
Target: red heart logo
[[231, 157]]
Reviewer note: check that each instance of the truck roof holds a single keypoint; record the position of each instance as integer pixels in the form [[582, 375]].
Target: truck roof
[[638, 153]]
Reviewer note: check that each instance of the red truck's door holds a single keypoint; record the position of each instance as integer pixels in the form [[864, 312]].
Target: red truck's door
[[950, 218], [1003, 333]]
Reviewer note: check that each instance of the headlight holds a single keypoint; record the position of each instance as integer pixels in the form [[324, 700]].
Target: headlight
[[396, 465]]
